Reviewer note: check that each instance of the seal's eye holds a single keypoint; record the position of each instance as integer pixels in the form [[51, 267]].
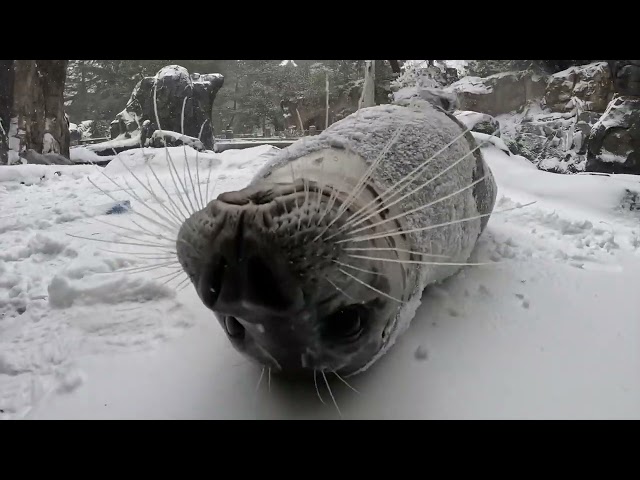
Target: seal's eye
[[234, 328], [346, 325]]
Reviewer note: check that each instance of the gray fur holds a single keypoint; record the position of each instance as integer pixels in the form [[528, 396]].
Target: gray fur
[[426, 129]]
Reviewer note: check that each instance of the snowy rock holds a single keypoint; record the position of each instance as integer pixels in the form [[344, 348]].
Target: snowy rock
[[626, 76], [614, 142], [33, 157], [74, 134], [446, 100], [554, 142], [499, 93], [479, 122], [161, 138], [88, 129], [183, 103], [590, 85]]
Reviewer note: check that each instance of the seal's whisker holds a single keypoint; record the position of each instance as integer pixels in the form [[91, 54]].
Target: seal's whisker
[[177, 211], [198, 179], [429, 227], [215, 185], [150, 255], [315, 382], [411, 176], [420, 262], [386, 206], [141, 269], [173, 177], [172, 210], [356, 268], [173, 277], [155, 102], [128, 237], [150, 245], [143, 231], [306, 187], [293, 177], [321, 185], [271, 357], [424, 254], [340, 290], [345, 382], [260, 379], [135, 196], [206, 194], [360, 185], [331, 393], [146, 205], [183, 284], [186, 168], [332, 200], [421, 207], [147, 258], [132, 210], [304, 202], [151, 192], [369, 286], [193, 187]]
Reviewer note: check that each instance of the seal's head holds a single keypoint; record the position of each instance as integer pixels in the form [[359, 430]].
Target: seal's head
[[275, 263]]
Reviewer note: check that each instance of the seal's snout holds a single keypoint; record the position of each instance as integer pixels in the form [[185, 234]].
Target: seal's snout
[[258, 260], [239, 285]]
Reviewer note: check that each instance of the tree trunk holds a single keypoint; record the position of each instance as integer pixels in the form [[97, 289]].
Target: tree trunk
[[368, 89], [235, 97], [38, 102], [82, 91], [6, 99], [395, 66]]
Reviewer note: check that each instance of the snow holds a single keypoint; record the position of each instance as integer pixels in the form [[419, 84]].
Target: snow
[[589, 70], [608, 157], [119, 142], [80, 154], [496, 141], [550, 331], [161, 135], [471, 119], [470, 84], [13, 157]]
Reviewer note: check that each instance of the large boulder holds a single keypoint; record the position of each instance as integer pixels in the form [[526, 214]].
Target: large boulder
[[589, 85], [626, 76], [555, 142], [500, 93], [182, 102], [614, 142]]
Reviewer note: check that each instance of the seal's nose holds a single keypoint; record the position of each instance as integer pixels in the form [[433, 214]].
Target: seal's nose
[[247, 276]]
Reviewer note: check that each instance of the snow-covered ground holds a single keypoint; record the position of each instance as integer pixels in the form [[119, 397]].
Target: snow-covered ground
[[551, 330]]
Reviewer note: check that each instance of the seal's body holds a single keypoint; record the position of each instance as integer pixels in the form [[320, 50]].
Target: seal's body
[[320, 263]]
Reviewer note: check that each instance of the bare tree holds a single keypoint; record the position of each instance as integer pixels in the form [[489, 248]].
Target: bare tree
[[38, 106], [6, 99]]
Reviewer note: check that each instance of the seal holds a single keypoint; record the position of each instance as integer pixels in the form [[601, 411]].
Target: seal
[[319, 264]]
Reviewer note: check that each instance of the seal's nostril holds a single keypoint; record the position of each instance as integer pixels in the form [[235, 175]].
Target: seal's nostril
[[234, 328], [211, 283], [265, 288]]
